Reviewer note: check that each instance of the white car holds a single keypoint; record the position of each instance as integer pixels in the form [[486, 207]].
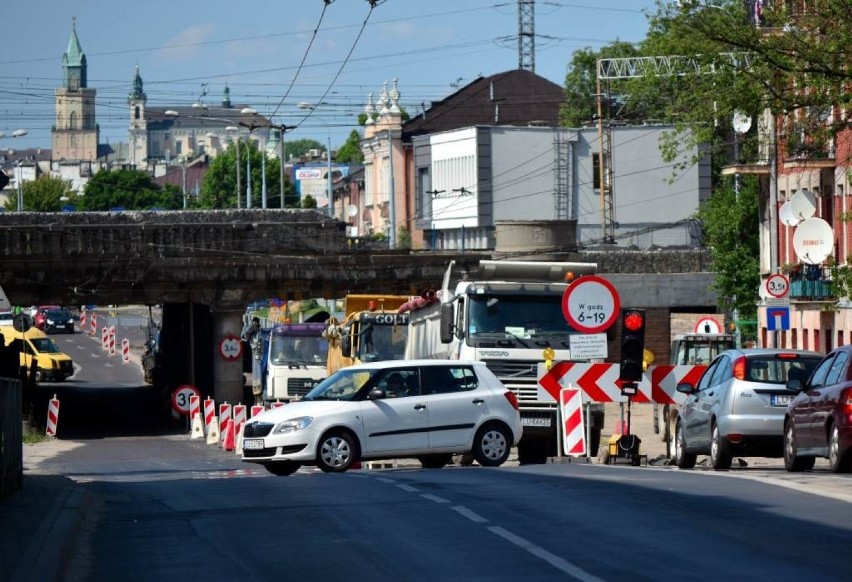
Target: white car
[[426, 409]]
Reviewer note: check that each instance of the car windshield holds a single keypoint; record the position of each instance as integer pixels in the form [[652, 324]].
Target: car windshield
[[342, 385], [58, 315], [44, 345], [772, 369], [298, 349]]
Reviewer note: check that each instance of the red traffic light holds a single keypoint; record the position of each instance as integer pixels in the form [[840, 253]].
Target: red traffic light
[[634, 321]]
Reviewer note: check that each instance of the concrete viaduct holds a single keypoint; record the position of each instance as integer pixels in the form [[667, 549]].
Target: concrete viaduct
[[204, 267]]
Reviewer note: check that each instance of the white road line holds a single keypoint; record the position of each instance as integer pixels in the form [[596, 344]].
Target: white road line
[[408, 488], [386, 480], [464, 511], [434, 498], [555, 561]]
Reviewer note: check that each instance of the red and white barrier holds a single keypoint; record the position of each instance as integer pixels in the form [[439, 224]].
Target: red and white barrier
[[197, 430], [278, 404], [52, 416], [211, 422], [112, 340], [239, 426], [105, 338], [256, 409], [83, 320], [573, 428], [94, 328], [224, 413], [125, 351]]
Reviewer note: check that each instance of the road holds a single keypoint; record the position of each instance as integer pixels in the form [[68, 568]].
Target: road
[[170, 508]]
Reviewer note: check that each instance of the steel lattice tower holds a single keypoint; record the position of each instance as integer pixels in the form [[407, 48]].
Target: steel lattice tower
[[526, 35]]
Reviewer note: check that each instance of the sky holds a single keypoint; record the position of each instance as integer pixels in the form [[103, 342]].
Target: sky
[[275, 54]]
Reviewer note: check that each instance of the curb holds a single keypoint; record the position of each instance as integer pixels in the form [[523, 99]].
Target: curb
[[47, 555]]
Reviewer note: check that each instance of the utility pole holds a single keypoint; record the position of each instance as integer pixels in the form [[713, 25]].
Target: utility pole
[[526, 35]]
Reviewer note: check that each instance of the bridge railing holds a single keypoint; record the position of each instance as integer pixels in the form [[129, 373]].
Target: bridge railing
[[11, 435]]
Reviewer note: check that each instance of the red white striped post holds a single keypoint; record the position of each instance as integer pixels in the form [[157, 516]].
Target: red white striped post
[[94, 329], [52, 416], [125, 351], [112, 340], [105, 338], [278, 404], [83, 320], [211, 421], [224, 414], [256, 409]]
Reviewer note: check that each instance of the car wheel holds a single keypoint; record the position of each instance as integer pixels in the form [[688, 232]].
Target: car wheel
[[792, 462], [282, 468], [336, 452], [682, 459], [492, 445], [720, 455], [434, 461], [838, 461]]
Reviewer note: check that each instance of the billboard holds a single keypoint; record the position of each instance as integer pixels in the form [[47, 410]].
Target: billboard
[[313, 181]]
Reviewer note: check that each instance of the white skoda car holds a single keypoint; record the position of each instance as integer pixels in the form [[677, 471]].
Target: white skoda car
[[426, 409]]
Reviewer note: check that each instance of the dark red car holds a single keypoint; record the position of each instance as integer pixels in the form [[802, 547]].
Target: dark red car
[[818, 421], [41, 315]]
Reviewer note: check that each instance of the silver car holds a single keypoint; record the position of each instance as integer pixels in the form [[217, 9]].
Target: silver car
[[738, 406]]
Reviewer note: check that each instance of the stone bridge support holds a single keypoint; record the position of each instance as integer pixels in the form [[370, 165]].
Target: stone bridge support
[[228, 378]]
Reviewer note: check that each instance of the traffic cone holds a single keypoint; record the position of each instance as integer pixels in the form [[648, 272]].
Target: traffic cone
[[228, 435], [197, 427]]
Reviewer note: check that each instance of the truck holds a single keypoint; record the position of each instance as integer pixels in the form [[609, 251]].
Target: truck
[[293, 360], [509, 315], [694, 349], [372, 329]]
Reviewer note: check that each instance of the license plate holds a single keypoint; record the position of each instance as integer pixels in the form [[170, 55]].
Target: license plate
[[780, 399], [253, 444], [534, 421]]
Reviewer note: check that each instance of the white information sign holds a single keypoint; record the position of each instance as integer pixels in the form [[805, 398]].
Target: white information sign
[[588, 346]]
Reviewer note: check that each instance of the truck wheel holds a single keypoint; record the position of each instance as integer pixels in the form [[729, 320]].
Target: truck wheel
[[720, 455], [336, 452], [683, 459], [282, 468], [532, 452]]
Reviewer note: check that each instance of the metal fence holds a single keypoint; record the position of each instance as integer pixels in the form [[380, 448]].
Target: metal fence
[[11, 434]]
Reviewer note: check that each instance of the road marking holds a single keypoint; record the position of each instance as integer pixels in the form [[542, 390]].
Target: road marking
[[464, 511], [434, 498], [408, 488], [555, 561], [386, 480]]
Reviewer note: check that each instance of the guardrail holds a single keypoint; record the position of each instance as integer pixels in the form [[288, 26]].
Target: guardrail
[[11, 435]]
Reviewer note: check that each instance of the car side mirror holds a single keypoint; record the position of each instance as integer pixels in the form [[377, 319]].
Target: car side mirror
[[377, 394], [685, 388], [794, 385]]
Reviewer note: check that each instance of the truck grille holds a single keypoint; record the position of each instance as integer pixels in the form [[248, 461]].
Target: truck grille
[[519, 376], [257, 429], [298, 387]]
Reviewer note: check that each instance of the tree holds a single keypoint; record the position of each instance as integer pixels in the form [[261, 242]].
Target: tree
[[219, 189], [738, 66], [731, 227], [300, 147], [350, 152], [44, 194], [130, 190]]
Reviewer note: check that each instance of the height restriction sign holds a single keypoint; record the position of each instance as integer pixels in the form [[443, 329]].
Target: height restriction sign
[[591, 304]]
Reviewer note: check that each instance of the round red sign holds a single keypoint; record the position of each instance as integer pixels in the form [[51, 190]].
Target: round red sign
[[591, 304]]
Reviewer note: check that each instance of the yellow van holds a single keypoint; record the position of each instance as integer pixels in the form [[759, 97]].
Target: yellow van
[[52, 363]]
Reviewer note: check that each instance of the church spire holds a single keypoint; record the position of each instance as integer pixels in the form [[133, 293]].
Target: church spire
[[74, 61], [138, 91]]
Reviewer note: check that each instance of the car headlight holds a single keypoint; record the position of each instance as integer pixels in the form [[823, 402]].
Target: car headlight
[[50, 322], [292, 424]]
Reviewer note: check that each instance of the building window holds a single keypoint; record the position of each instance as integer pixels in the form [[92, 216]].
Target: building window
[[178, 147], [794, 344], [805, 338], [136, 113], [816, 340], [828, 338], [72, 120]]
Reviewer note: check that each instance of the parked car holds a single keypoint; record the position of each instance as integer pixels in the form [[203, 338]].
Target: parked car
[[41, 315], [58, 320], [426, 409], [818, 421], [738, 406]]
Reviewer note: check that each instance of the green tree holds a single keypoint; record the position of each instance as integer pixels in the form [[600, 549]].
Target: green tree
[[44, 194], [309, 201], [350, 152], [300, 147], [219, 189], [128, 189], [731, 227]]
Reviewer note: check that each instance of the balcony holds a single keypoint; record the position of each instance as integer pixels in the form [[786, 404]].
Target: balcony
[[810, 283]]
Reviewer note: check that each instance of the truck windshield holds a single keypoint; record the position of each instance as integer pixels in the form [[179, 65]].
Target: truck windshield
[[382, 341], [298, 349], [518, 316]]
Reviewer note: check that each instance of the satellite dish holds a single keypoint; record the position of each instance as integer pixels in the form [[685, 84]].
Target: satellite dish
[[742, 122], [351, 210], [803, 204], [813, 240], [786, 215]]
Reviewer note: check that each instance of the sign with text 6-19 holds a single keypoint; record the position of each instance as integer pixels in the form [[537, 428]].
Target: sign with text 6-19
[[591, 304]]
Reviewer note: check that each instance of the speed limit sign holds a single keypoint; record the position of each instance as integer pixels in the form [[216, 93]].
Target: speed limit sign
[[181, 395]]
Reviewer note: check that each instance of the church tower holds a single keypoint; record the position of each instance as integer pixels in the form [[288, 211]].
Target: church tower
[[138, 124], [74, 136]]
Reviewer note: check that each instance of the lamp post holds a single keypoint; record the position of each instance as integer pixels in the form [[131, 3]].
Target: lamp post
[[19, 175], [330, 191]]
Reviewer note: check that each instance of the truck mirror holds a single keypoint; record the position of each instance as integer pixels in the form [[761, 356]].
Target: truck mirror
[[346, 345], [447, 318]]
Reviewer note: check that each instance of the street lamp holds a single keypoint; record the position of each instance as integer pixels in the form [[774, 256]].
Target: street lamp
[[19, 175], [312, 107]]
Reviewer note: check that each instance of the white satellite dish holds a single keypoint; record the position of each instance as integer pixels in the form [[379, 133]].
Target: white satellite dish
[[742, 122], [803, 204], [786, 216], [813, 240], [351, 210]]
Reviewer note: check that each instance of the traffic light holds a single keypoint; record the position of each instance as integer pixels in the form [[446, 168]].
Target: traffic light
[[632, 344]]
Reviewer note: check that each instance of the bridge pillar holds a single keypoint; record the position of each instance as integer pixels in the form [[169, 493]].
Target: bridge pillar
[[228, 379]]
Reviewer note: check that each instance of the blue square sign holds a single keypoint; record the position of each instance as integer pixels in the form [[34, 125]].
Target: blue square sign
[[778, 318]]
